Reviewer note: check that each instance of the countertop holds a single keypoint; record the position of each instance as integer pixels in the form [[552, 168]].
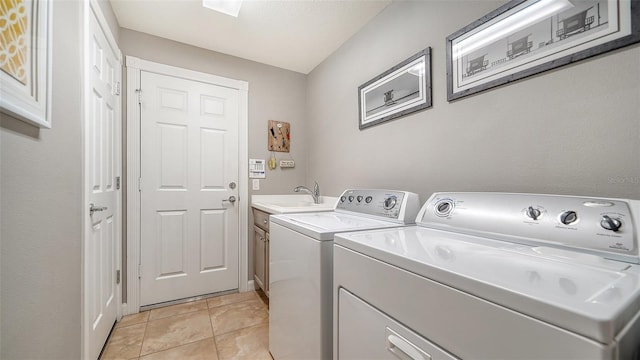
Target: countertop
[[290, 203]]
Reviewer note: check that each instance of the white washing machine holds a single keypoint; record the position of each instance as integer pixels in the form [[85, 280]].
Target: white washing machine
[[301, 266], [493, 276]]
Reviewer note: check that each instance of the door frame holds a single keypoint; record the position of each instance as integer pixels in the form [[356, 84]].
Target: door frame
[[134, 66], [92, 8]]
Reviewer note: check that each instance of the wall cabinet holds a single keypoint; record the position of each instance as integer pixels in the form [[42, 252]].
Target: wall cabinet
[[261, 249]]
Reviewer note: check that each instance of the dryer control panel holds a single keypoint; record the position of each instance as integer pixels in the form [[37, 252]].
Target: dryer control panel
[[399, 206], [605, 227]]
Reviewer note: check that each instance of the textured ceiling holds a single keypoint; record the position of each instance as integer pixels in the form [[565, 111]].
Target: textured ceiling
[[290, 34]]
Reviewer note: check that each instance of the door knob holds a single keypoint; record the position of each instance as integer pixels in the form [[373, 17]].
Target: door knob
[[231, 199], [93, 208]]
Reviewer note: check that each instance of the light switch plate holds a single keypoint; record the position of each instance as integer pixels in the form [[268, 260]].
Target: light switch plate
[[287, 163], [256, 184]]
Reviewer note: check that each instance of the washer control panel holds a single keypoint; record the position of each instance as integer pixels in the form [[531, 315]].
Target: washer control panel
[[600, 226], [401, 206]]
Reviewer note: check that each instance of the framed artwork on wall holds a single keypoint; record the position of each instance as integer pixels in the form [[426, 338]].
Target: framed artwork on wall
[[399, 91], [279, 135], [25, 60], [527, 37]]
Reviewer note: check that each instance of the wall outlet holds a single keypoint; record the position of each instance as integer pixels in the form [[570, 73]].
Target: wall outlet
[[287, 163]]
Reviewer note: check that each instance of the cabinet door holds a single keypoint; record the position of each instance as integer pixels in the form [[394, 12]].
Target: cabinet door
[[266, 267], [259, 265]]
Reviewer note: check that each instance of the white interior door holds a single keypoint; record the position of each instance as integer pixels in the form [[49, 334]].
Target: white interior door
[[189, 170], [102, 167]]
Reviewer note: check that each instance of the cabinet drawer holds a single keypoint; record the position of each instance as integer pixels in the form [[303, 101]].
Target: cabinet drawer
[[261, 219]]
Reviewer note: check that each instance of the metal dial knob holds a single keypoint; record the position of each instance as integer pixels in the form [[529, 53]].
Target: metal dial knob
[[343, 198], [390, 202], [443, 208], [609, 223], [533, 213], [568, 217], [368, 199], [351, 198], [359, 198]]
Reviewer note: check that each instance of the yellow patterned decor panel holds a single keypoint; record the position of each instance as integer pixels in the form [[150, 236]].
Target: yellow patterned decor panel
[[13, 38]]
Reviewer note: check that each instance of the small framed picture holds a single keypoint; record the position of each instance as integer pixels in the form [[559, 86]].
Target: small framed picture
[[399, 91]]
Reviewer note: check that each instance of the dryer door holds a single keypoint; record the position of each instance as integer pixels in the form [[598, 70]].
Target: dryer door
[[366, 333]]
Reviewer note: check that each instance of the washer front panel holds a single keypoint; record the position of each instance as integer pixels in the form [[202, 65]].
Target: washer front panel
[[465, 325], [587, 294]]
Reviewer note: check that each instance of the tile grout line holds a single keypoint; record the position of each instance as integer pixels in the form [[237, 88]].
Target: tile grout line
[[177, 346], [144, 335], [215, 343], [246, 327]]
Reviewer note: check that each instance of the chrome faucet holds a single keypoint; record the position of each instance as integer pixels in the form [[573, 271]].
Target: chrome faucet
[[315, 193]]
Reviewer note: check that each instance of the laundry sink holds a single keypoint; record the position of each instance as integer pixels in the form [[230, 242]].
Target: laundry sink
[[285, 204]]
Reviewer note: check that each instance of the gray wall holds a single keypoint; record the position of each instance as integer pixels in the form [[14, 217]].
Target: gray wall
[[41, 192], [574, 130], [274, 94]]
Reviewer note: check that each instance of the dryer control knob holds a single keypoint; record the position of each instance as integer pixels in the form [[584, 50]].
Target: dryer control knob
[[368, 199], [568, 217], [359, 198], [610, 223], [390, 202]]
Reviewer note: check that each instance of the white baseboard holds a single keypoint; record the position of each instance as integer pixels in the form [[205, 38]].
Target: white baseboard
[[251, 285]]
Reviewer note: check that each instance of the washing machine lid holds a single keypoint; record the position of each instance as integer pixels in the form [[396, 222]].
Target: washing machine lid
[[323, 225], [583, 293]]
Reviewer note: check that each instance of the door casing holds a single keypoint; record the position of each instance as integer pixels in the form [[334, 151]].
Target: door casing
[[133, 68]]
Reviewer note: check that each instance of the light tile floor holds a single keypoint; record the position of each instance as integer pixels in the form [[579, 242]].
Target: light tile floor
[[232, 326]]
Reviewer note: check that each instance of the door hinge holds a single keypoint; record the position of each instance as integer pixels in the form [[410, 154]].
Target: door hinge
[[139, 184], [117, 182], [117, 277], [116, 89], [139, 91], [139, 271]]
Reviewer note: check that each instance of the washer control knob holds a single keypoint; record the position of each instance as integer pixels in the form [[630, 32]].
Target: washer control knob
[[359, 198], [368, 199], [568, 217], [533, 213], [343, 198], [610, 223], [390, 202], [351, 198], [443, 208]]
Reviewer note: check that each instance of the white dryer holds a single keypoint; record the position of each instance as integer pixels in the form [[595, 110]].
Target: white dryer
[[493, 276], [301, 266]]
